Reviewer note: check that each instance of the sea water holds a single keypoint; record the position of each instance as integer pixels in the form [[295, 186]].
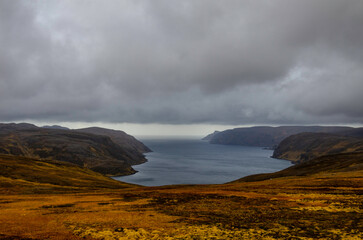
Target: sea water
[[194, 161]]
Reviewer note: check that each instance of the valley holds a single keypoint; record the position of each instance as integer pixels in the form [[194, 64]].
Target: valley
[[44, 198]]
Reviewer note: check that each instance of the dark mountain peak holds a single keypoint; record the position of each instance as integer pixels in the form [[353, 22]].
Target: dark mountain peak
[[55, 127], [101, 129]]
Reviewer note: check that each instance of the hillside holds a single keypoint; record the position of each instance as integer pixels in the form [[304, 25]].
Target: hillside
[[97, 152], [27, 175], [272, 136], [343, 162], [306, 146]]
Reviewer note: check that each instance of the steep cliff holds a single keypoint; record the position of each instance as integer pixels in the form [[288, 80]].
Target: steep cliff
[[130, 144], [210, 136]]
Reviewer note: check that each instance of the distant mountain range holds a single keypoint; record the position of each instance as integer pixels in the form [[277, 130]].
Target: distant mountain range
[[106, 151], [272, 136]]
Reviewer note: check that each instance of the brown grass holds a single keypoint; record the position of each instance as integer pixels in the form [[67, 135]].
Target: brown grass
[[52, 200], [327, 206], [26, 175]]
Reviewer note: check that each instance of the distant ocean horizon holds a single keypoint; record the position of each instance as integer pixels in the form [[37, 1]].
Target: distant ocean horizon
[[189, 160]]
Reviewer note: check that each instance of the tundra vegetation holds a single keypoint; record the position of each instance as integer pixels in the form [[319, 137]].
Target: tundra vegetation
[[56, 200]]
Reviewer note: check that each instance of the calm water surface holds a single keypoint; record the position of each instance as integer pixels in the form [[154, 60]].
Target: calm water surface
[[193, 161]]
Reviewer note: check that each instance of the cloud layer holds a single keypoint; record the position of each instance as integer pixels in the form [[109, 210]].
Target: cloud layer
[[182, 62]]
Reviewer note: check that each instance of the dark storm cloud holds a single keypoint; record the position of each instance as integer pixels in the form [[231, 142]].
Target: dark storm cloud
[[229, 62]]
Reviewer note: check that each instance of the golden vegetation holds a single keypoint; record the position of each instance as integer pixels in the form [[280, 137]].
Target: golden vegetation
[[326, 205], [287, 208]]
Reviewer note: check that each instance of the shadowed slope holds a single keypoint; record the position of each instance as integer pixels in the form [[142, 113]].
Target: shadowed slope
[[134, 147], [306, 146]]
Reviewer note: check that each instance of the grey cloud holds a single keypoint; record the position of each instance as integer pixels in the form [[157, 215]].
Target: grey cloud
[[228, 62]]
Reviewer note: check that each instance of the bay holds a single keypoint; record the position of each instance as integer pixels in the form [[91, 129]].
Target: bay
[[193, 161]]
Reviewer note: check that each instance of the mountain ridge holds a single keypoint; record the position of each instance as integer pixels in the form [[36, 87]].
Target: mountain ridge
[[266, 136]]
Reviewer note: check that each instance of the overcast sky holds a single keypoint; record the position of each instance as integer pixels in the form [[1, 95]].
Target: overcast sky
[[199, 62]]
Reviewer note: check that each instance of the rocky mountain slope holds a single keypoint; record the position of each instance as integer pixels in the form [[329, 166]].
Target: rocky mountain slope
[[272, 136], [97, 152], [306, 146]]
